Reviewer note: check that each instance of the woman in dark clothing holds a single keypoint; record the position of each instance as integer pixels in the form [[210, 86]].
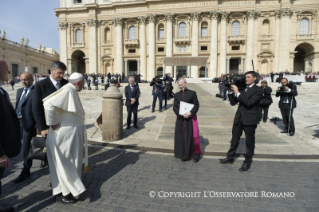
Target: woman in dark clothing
[[265, 102]]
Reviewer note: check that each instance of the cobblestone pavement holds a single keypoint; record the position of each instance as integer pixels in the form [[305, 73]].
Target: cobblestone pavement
[[121, 180]]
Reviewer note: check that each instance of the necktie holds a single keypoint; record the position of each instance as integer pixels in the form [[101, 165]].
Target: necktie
[[18, 110], [247, 88], [58, 85], [132, 89]]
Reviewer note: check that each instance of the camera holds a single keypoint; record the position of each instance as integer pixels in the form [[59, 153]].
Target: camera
[[239, 81], [290, 85], [157, 80]]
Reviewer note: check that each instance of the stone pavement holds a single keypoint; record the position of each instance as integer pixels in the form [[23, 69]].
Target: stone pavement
[[121, 180]]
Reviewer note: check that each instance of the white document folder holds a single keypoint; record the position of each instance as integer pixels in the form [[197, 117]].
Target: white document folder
[[185, 107]]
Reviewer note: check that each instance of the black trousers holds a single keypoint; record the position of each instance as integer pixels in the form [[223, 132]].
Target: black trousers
[[285, 113], [1, 173], [160, 99], [131, 109], [26, 138], [250, 141], [165, 96], [265, 109]]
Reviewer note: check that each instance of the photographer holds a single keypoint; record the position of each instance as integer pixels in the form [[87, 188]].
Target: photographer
[[157, 93], [287, 103], [166, 92], [265, 102], [246, 118]]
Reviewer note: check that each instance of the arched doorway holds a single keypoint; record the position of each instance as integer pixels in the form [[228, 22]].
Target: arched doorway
[[264, 67], [303, 59], [107, 68], [78, 61], [202, 72], [159, 72]]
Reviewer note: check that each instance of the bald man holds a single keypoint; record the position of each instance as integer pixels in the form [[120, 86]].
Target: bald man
[[10, 135], [24, 113]]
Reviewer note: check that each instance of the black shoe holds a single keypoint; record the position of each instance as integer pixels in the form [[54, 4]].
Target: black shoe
[[10, 209], [135, 126], [22, 177], [292, 133], [244, 168], [196, 160], [160, 111], [183, 160], [226, 160], [43, 164], [284, 131], [264, 121], [69, 199], [128, 127], [153, 111], [165, 107], [58, 197]]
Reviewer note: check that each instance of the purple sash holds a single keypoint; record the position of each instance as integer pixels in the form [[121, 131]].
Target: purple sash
[[196, 136]]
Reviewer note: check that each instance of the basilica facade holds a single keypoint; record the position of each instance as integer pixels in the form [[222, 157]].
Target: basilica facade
[[102, 36]]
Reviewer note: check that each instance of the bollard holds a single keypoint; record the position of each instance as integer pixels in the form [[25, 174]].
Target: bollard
[[112, 114]]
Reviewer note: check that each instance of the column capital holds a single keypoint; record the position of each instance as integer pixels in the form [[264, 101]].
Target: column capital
[[91, 22], [169, 17], [224, 15], [151, 18], [286, 12], [63, 25], [228, 58], [253, 14], [195, 16], [214, 14], [142, 19], [118, 21], [243, 58]]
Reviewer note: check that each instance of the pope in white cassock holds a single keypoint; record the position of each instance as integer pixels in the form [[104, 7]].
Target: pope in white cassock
[[65, 140]]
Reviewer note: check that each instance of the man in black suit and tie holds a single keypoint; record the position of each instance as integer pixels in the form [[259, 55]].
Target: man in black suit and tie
[[10, 135], [157, 92], [246, 119], [27, 123], [132, 93], [43, 89], [287, 103]]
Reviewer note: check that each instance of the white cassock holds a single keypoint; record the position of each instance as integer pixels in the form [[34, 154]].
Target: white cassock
[[65, 144]]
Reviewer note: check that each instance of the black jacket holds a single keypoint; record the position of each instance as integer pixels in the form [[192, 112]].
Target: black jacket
[[267, 93], [42, 89], [158, 87], [248, 105], [10, 134], [283, 95], [129, 94], [28, 120]]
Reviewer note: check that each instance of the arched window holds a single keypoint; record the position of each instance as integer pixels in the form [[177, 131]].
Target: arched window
[[78, 36], [204, 29], [161, 31], [182, 29], [107, 34], [132, 33], [265, 27], [304, 26], [235, 28]]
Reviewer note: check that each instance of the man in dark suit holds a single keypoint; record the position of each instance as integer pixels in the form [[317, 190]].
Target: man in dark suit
[[226, 82], [287, 103], [246, 118], [157, 92], [132, 93], [27, 123], [272, 76], [10, 134], [43, 89]]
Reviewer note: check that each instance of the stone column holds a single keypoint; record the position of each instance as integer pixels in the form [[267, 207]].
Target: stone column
[[63, 42], [92, 23], [195, 18], [285, 13], [118, 22], [138, 67], [227, 68], [142, 70], [251, 15], [112, 114], [242, 64], [214, 15], [277, 41], [188, 70], [151, 52], [223, 42], [169, 38], [125, 68]]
